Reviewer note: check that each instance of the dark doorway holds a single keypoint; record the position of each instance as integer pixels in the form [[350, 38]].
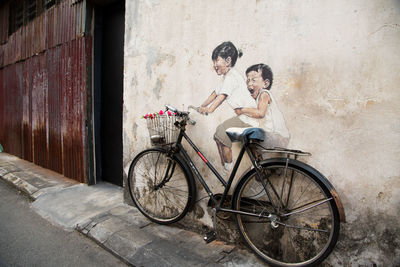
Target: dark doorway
[[108, 91]]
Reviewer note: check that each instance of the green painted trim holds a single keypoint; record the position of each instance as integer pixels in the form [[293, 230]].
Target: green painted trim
[[1, 148]]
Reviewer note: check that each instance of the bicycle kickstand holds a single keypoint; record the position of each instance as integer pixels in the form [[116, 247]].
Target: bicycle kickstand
[[212, 235]]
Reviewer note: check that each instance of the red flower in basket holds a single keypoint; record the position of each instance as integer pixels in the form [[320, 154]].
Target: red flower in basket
[[160, 113]]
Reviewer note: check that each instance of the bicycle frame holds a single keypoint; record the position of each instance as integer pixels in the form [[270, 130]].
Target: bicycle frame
[[280, 194], [227, 185]]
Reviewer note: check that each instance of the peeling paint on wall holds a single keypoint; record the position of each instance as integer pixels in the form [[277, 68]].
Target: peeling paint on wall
[[155, 58]]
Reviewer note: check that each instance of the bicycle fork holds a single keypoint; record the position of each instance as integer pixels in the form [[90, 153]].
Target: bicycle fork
[[168, 174]]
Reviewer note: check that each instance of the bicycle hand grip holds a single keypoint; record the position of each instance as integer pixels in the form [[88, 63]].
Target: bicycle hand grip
[[171, 108]]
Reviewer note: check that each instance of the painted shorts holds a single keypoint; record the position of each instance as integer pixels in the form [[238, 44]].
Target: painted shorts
[[220, 133], [271, 140]]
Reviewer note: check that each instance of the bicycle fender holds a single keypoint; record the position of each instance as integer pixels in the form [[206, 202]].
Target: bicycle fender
[[307, 168], [326, 182]]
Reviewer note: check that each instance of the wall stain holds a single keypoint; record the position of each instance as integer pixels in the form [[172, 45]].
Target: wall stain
[[152, 58], [370, 103], [391, 26], [134, 128], [157, 88], [155, 58], [380, 232]]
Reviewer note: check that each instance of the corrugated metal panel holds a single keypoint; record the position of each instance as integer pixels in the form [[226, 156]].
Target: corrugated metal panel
[[2, 109], [44, 103], [12, 110], [4, 11], [60, 24], [73, 106], [2, 49], [55, 77], [44, 97], [27, 148], [38, 83]]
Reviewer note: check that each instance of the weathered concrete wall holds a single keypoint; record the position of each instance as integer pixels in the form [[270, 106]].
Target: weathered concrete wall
[[337, 78]]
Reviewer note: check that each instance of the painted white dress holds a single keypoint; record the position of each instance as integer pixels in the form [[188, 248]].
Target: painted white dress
[[237, 95], [273, 123]]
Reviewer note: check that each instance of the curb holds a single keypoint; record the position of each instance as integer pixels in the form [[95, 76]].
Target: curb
[[117, 227], [171, 246]]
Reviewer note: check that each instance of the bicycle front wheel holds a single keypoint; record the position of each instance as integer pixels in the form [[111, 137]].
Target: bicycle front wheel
[[161, 187], [295, 219]]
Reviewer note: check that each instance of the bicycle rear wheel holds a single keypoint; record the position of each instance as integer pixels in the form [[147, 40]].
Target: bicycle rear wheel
[[303, 224], [161, 187]]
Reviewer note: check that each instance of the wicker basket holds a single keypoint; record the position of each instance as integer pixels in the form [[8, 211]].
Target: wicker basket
[[162, 130]]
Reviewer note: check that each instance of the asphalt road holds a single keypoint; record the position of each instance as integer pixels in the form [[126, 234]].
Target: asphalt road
[[26, 239]]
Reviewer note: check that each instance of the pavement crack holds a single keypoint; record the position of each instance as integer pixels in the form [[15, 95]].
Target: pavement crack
[[145, 225], [87, 228], [14, 171], [224, 254]]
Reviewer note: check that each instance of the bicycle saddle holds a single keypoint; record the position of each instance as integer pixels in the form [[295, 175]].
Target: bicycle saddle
[[245, 134]]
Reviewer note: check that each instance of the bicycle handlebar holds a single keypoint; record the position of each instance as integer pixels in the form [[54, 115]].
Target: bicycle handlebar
[[184, 114], [171, 108], [178, 112]]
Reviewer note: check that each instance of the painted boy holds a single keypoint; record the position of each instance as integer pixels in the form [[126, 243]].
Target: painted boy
[[259, 82]]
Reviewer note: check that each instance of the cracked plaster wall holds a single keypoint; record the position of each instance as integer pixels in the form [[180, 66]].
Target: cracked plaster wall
[[337, 78]]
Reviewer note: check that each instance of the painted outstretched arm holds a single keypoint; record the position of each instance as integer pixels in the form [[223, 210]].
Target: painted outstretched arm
[[209, 100], [215, 102], [258, 112]]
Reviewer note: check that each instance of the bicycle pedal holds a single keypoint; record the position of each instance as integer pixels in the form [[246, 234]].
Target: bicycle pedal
[[210, 237]]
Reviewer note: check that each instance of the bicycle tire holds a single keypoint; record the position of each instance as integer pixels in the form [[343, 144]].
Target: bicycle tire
[[162, 202], [299, 239]]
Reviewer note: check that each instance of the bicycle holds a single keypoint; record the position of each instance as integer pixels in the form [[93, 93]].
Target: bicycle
[[286, 211]]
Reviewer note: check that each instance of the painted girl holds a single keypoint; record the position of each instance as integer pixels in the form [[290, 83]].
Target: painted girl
[[233, 89]]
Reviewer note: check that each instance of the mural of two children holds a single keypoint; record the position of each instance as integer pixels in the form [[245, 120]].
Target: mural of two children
[[252, 102]]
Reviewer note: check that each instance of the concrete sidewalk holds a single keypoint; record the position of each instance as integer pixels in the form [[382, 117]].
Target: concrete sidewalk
[[99, 213]]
